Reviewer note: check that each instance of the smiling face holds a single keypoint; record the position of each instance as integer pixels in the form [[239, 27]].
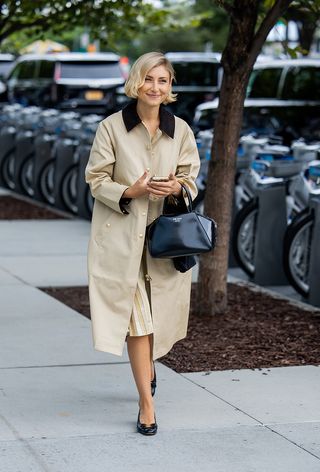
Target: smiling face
[[157, 85]]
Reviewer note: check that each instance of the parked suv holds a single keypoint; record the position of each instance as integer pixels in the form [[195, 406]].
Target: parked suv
[[85, 82], [283, 95], [198, 77]]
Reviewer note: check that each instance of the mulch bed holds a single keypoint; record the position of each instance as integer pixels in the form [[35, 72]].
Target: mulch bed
[[12, 208], [256, 331]]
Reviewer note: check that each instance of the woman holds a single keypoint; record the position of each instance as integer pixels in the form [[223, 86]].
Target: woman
[[134, 297]]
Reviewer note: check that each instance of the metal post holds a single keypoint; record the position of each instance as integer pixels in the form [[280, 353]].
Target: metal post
[[270, 230], [232, 260], [314, 271], [64, 160], [82, 186]]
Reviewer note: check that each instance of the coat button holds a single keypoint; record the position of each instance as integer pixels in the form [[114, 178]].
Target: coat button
[[140, 235], [108, 224], [143, 213], [147, 169]]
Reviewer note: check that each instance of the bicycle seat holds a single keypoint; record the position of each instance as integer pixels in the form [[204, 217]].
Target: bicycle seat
[[285, 169]]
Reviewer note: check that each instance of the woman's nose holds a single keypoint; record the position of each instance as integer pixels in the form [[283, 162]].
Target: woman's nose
[[154, 86]]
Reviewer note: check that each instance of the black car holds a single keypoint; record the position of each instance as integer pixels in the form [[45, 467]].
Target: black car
[[84, 82], [6, 62], [198, 76], [283, 96]]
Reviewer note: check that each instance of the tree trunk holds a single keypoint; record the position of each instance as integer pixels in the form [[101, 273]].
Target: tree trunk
[[306, 21], [241, 51], [306, 34], [219, 193]]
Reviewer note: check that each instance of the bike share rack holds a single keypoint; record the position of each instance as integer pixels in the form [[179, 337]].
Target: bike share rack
[[270, 229], [314, 275], [244, 160], [84, 198], [66, 156], [45, 151], [25, 146], [8, 133], [83, 188]]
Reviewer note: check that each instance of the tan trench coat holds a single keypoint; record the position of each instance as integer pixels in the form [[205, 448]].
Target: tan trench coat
[[122, 150]]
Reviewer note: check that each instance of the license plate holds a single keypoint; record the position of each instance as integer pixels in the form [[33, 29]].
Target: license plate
[[93, 95]]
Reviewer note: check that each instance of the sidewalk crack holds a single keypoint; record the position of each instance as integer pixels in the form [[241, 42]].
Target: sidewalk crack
[[38, 459], [252, 417], [62, 365]]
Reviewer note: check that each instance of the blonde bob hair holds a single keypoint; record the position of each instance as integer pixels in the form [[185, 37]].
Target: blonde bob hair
[[140, 69]]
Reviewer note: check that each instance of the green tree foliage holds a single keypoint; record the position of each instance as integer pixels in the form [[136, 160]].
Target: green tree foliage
[[214, 25], [108, 19], [306, 14]]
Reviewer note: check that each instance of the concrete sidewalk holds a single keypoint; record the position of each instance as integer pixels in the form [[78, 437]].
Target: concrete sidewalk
[[67, 408]]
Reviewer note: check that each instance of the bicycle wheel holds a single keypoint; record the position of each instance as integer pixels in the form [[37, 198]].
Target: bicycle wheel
[[26, 176], [69, 189], [46, 182], [296, 252], [243, 237], [7, 170]]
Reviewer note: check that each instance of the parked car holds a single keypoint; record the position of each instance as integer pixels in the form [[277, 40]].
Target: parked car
[[84, 82], [198, 77], [283, 94], [6, 62]]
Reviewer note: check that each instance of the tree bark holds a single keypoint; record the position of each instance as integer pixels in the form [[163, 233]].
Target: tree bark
[[243, 46], [219, 194]]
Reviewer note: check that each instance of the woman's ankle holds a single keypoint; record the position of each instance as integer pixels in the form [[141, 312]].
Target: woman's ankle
[[146, 403]]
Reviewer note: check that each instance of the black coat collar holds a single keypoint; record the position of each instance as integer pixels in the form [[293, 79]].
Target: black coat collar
[[132, 119]]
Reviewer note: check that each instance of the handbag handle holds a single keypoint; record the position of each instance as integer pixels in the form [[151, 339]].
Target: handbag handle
[[190, 205], [172, 210]]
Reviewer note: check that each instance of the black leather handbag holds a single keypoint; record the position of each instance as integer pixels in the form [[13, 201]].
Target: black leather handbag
[[181, 234]]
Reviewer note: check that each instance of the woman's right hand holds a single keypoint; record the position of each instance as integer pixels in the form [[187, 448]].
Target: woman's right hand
[[139, 188]]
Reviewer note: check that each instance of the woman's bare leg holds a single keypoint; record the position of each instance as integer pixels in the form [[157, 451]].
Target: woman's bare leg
[[150, 336], [139, 355]]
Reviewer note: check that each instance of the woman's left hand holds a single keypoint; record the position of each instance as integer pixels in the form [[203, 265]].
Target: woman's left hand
[[163, 189]]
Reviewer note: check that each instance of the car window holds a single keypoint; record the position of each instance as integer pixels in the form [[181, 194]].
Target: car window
[[196, 73], [26, 70], [90, 70], [206, 119], [263, 83], [302, 83], [5, 68], [46, 69], [255, 119]]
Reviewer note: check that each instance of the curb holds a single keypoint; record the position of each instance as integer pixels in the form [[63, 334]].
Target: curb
[[6, 192], [279, 296]]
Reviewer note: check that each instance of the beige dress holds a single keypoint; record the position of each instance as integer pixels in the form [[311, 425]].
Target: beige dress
[[141, 317]]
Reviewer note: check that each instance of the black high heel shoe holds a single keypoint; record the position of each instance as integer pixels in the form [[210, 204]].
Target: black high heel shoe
[[148, 430], [154, 381]]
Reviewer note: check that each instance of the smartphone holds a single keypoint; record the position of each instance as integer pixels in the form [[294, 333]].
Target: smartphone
[[156, 178]]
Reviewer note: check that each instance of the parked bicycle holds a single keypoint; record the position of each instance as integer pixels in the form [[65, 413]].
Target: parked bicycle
[[262, 173], [298, 238]]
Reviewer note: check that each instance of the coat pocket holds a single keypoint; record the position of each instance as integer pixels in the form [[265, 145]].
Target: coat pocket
[[101, 235]]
